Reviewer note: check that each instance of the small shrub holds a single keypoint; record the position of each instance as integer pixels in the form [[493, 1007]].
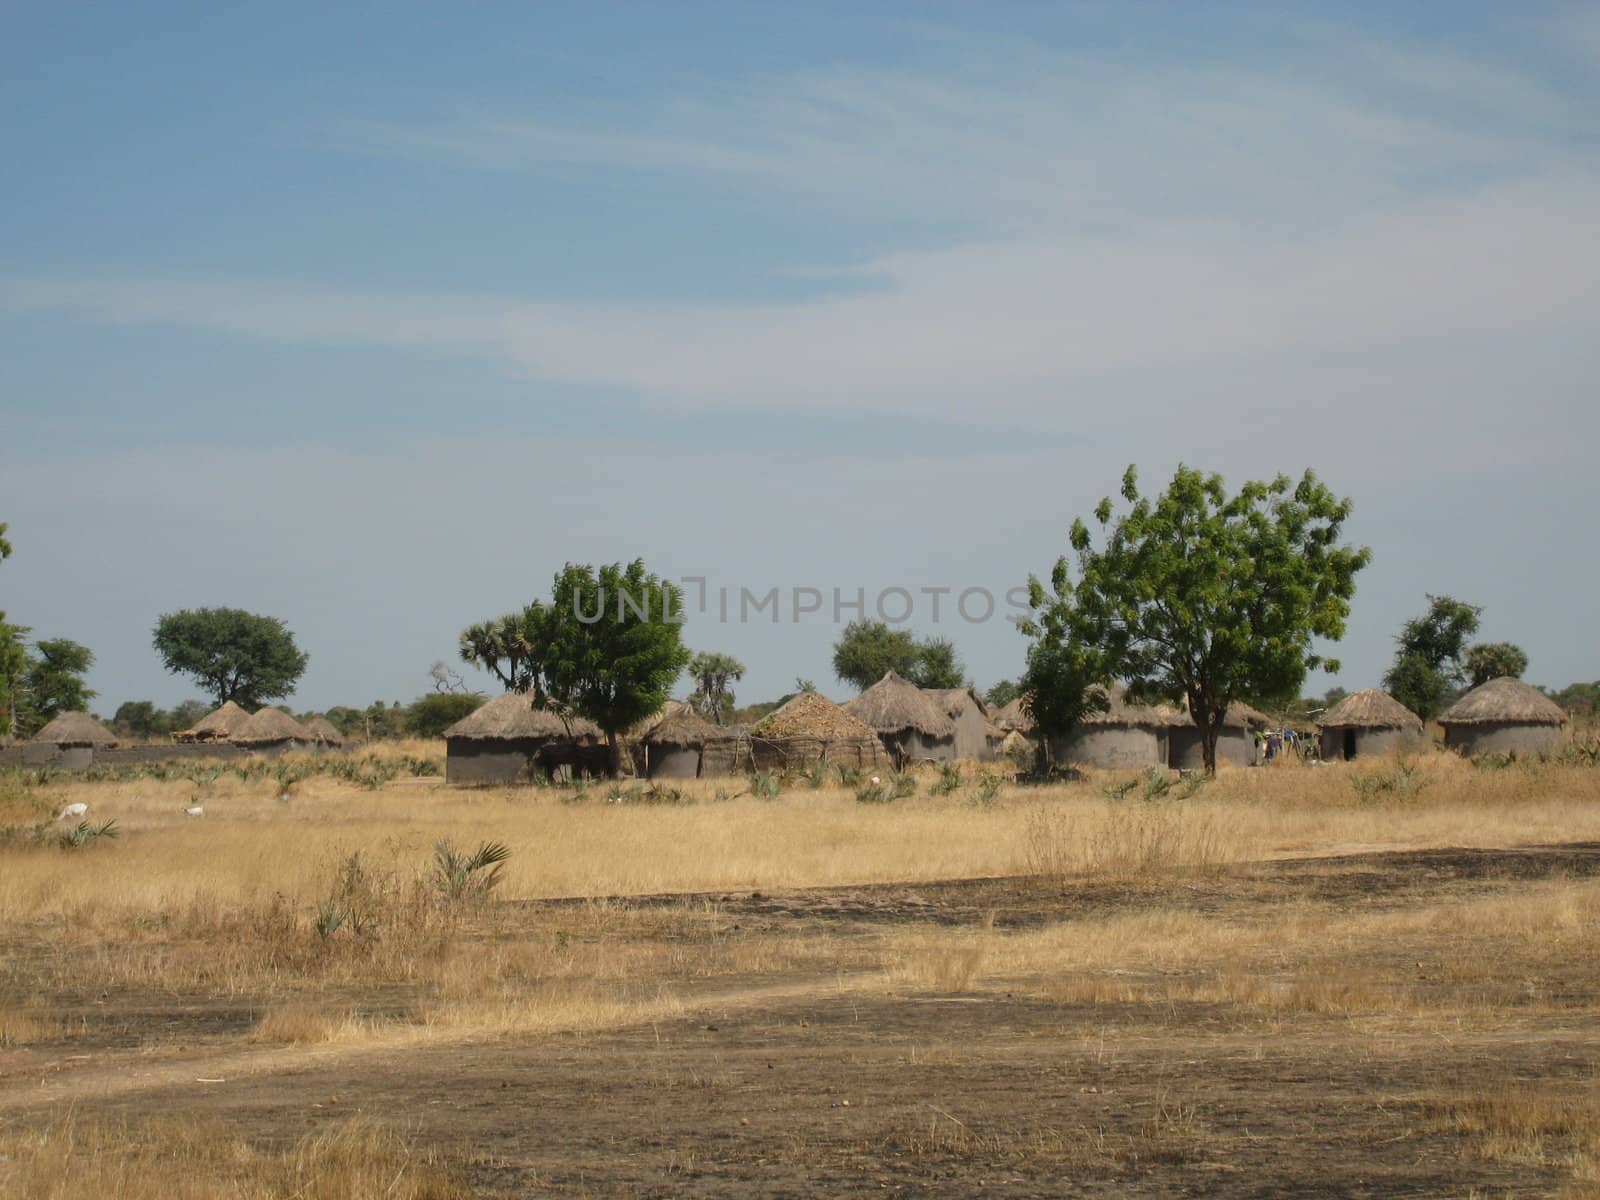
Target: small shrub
[[1404, 782], [766, 785], [1117, 791], [1157, 783], [458, 876], [988, 788], [816, 775], [848, 776], [948, 781], [85, 833]]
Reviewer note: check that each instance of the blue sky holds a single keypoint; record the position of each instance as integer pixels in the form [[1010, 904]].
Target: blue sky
[[371, 318]]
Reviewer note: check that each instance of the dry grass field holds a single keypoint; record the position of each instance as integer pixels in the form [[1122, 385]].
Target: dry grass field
[[1375, 979]]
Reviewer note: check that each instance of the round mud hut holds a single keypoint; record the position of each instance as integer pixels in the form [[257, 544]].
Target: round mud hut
[[1503, 716], [323, 732], [218, 725], [69, 741], [1366, 723], [272, 732], [1236, 742], [1123, 734], [508, 741], [675, 747], [911, 723], [808, 729], [976, 739]]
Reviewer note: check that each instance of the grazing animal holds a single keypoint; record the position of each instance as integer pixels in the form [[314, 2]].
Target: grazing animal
[[79, 809], [194, 810]]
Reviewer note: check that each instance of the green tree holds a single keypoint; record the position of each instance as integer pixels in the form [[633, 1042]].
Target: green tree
[[505, 646], [1429, 652], [380, 720], [938, 665], [13, 673], [232, 654], [1491, 660], [1001, 694], [430, 715], [1198, 594], [187, 714], [611, 646], [5, 546], [713, 674], [55, 682], [868, 650], [140, 719]]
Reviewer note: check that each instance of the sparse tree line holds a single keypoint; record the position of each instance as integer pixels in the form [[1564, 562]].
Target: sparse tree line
[[1194, 596]]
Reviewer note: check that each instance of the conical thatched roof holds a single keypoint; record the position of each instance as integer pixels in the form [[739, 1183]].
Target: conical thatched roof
[[323, 730], [76, 729], [955, 700], [1239, 716], [810, 715], [1370, 709], [892, 705], [1504, 701], [684, 728], [268, 726], [639, 729], [512, 717], [1119, 710], [1013, 717], [216, 726]]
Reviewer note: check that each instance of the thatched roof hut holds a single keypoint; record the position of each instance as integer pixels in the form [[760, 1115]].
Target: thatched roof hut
[[810, 728], [75, 729], [271, 727], [975, 738], [912, 723], [1236, 742], [1501, 716], [1365, 723], [675, 748], [1013, 718], [1123, 733], [508, 740], [640, 729], [323, 730], [219, 725]]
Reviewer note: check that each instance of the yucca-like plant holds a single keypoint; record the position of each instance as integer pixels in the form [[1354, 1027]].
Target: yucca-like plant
[[459, 876], [949, 780], [766, 785], [84, 833]]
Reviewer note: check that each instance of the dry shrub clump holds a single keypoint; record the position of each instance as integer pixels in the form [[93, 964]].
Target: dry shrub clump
[[1529, 1124], [22, 1025], [181, 1160]]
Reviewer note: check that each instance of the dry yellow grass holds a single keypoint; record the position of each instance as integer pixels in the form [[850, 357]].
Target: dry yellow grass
[[22, 1025], [182, 1160]]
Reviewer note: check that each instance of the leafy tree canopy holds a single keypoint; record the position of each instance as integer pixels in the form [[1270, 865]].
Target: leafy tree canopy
[[1491, 660], [868, 650], [713, 675], [1001, 694], [232, 654], [1439, 637], [55, 682], [430, 715], [1197, 594]]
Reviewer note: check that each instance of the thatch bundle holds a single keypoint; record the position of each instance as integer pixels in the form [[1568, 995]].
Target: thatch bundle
[[1239, 716], [76, 729], [219, 725], [1119, 710], [955, 700], [684, 729], [268, 727], [640, 729], [1370, 709], [1504, 701], [893, 706], [323, 730], [512, 717], [810, 715]]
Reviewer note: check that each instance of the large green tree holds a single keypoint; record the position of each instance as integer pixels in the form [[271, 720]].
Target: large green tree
[[611, 646], [430, 715], [1491, 660], [55, 679], [13, 674], [868, 650], [1430, 653], [714, 675], [506, 646], [1002, 693], [1199, 594], [232, 654]]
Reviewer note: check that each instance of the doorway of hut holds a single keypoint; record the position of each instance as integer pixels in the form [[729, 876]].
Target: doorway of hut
[[1349, 744]]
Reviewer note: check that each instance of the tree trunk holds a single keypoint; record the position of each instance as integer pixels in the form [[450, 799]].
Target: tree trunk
[[1208, 744], [613, 755]]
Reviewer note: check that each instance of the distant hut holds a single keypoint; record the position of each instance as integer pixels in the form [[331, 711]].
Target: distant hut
[[1125, 734], [912, 724], [508, 740], [673, 749], [272, 731], [808, 729], [1236, 742], [219, 725], [976, 739], [75, 737], [1501, 716], [1365, 723], [323, 731]]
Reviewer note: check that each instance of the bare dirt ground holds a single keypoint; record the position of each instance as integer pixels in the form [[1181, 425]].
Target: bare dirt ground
[[1150, 1079]]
